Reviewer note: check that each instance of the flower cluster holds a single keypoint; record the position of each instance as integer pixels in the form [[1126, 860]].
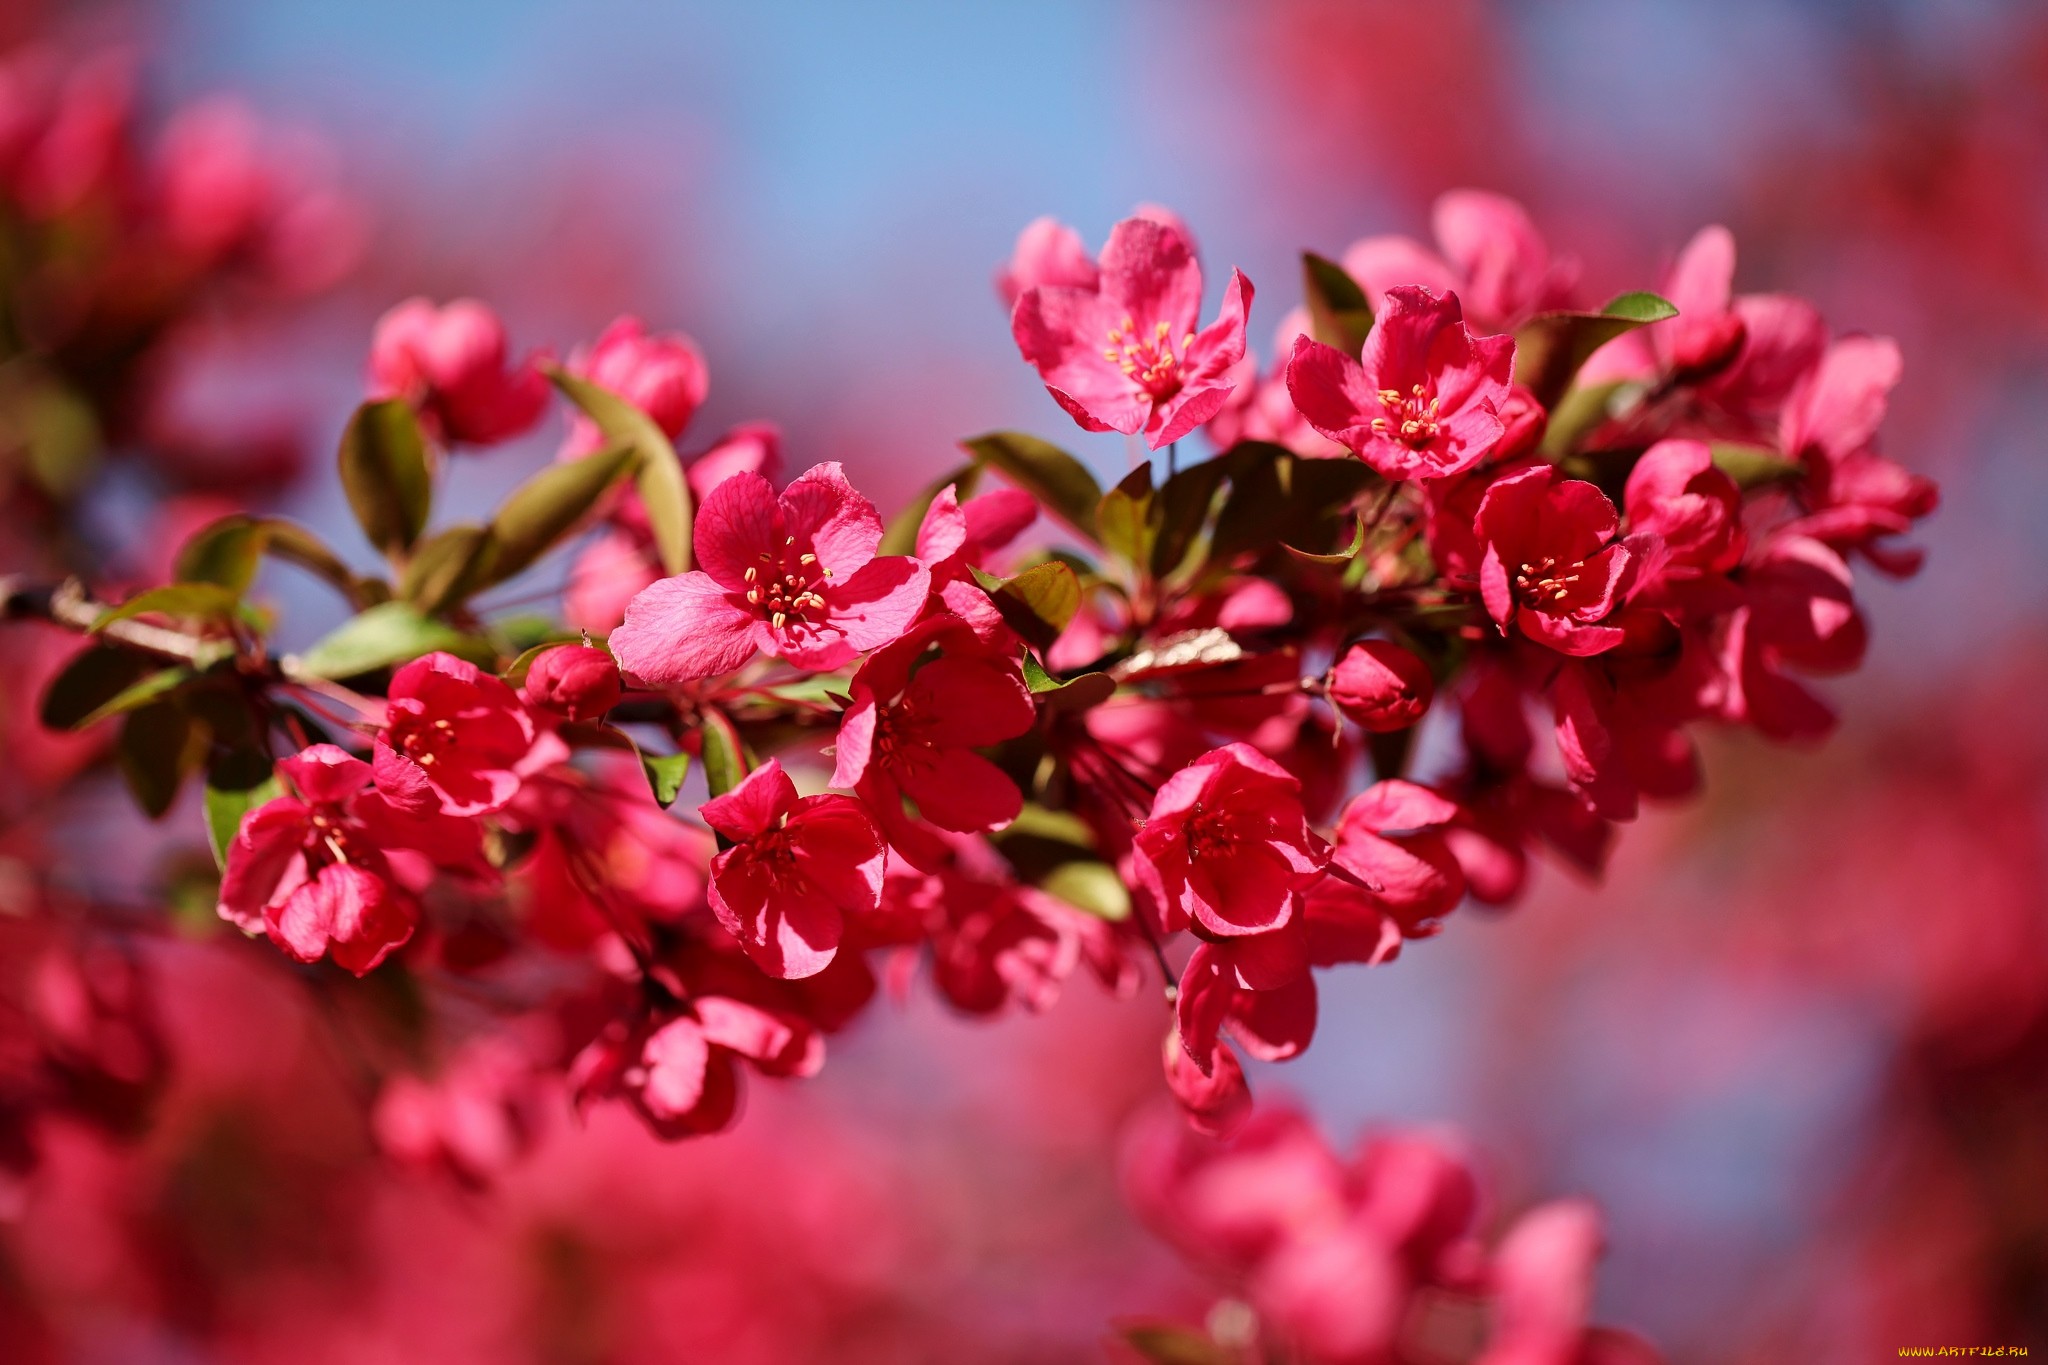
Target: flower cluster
[[1331, 1261], [1457, 504]]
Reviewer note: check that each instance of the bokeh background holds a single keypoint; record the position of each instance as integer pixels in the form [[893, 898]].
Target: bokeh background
[[1797, 1044]]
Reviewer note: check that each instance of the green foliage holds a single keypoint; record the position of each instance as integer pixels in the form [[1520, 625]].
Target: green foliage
[[1062, 485], [656, 471], [1338, 312], [384, 472]]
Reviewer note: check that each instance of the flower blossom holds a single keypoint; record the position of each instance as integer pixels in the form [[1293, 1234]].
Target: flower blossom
[[451, 363], [1126, 356], [662, 374], [1552, 567], [456, 739], [331, 867], [913, 729], [1492, 257], [1227, 846], [797, 867], [795, 577], [1424, 398]]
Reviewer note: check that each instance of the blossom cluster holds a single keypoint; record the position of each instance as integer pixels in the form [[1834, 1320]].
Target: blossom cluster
[[1557, 539], [1379, 1257]]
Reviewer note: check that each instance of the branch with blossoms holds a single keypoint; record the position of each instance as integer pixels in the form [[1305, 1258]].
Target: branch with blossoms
[[1554, 539]]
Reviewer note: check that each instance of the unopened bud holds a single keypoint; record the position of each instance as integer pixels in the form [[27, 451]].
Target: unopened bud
[[1381, 686]]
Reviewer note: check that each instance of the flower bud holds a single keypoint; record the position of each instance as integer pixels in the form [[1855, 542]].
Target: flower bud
[[1381, 686], [1523, 423], [575, 681]]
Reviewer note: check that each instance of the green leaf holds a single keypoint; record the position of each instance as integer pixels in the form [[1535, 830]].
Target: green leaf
[[159, 744], [225, 807], [1577, 415], [226, 552], [1037, 603], [547, 507], [665, 774], [96, 675], [901, 537], [725, 757], [210, 601], [1090, 886], [1344, 556], [657, 472], [1124, 519], [1062, 485], [1753, 466], [384, 473], [1338, 312], [385, 635], [1550, 347], [1182, 510], [445, 568], [1277, 498], [141, 693], [1075, 694]]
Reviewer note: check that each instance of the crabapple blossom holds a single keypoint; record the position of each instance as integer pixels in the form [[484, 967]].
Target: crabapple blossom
[[1424, 398], [793, 575], [797, 868], [452, 363], [1126, 355]]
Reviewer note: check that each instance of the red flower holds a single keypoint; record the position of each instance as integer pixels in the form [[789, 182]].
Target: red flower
[[797, 867], [912, 730], [1493, 257], [677, 1066], [1390, 838], [315, 870], [1550, 566], [1126, 357], [1542, 1283], [1381, 687], [1259, 987], [1829, 423], [1227, 846], [794, 576], [1424, 398], [1799, 612], [575, 682], [662, 375], [1048, 252], [456, 739], [1694, 508], [450, 363]]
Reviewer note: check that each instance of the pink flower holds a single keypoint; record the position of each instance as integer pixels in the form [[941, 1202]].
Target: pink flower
[[315, 869], [456, 739], [1424, 398], [1227, 846], [1048, 252], [1213, 1096], [1551, 566], [473, 1120], [749, 448], [912, 729], [1381, 687], [574, 682], [451, 363], [1493, 257], [797, 867], [1259, 987], [1261, 409], [1830, 423], [1127, 357], [1694, 508], [1542, 1282], [1390, 838], [663, 375], [677, 1066], [1799, 613], [795, 577], [992, 942]]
